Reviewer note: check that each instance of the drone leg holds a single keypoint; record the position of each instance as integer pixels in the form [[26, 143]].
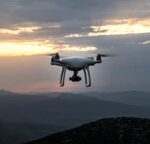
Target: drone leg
[[62, 78], [85, 76], [88, 71]]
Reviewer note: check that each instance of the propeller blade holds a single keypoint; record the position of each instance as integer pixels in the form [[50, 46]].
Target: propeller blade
[[44, 54], [48, 54], [106, 55]]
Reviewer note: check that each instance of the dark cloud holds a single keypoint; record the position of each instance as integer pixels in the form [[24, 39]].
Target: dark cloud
[[72, 15], [70, 10], [65, 10]]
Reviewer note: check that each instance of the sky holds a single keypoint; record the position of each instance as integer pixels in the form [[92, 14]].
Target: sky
[[74, 27]]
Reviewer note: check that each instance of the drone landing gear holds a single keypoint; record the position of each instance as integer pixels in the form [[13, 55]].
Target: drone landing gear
[[75, 77], [87, 82], [62, 78]]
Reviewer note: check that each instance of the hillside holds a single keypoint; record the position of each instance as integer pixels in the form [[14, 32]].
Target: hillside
[[105, 131]]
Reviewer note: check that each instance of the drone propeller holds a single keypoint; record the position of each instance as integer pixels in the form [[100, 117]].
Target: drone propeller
[[48, 54], [99, 56], [106, 55], [44, 54]]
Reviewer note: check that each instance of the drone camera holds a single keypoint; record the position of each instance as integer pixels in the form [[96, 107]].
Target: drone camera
[[75, 78]]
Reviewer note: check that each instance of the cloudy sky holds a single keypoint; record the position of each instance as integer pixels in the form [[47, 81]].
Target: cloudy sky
[[73, 27]]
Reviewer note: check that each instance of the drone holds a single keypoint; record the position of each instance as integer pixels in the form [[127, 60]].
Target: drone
[[76, 64]]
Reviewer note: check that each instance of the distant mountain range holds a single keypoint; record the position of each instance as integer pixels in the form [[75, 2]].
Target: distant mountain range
[[105, 131], [63, 108], [31, 116], [137, 98]]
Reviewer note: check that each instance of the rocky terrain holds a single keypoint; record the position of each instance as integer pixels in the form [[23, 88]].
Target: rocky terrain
[[123, 130]]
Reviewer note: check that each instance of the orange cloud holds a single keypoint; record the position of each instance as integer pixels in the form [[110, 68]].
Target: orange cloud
[[19, 30], [24, 48], [78, 48], [116, 27], [28, 48]]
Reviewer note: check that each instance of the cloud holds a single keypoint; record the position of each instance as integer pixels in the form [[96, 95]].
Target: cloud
[[26, 48], [65, 11], [68, 24], [78, 48], [145, 42], [29, 48], [116, 27], [19, 30]]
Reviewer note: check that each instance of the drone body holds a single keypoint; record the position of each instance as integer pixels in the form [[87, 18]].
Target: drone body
[[76, 64]]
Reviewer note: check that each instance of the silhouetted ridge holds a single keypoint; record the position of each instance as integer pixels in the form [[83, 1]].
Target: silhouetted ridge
[[5, 92], [105, 131]]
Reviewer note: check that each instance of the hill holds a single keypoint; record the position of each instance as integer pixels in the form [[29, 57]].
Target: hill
[[138, 98], [105, 131], [64, 109]]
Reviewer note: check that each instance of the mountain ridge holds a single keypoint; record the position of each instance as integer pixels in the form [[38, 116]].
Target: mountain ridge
[[121, 130], [138, 98]]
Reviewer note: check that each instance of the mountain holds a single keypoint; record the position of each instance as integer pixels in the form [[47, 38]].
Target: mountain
[[65, 109], [104, 131], [26, 117], [137, 98]]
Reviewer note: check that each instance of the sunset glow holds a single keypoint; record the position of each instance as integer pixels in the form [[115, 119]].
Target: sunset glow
[[78, 48], [116, 27], [120, 29], [25, 48], [36, 48], [19, 30]]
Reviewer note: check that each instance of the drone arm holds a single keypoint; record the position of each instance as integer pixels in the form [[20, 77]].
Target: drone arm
[[56, 63], [62, 77]]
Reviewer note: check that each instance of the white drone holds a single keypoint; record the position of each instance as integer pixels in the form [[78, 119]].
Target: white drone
[[76, 64]]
